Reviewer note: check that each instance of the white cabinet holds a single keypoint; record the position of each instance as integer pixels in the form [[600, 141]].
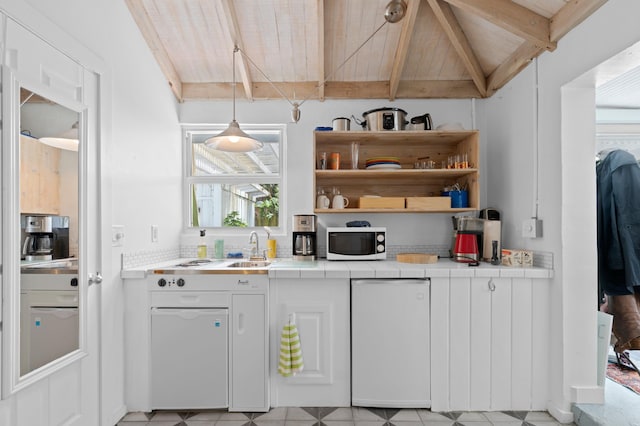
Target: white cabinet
[[245, 297], [249, 366], [489, 344], [320, 308]]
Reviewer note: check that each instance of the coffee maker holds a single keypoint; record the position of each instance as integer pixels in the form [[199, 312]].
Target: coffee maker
[[305, 227], [492, 231], [44, 237]]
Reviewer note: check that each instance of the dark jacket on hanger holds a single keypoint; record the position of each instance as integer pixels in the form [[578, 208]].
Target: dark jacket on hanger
[[618, 205]]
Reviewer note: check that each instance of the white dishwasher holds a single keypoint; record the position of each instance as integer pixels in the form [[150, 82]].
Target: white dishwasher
[[390, 354], [189, 350]]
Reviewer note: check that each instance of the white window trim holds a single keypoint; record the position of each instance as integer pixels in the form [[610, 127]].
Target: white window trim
[[188, 180]]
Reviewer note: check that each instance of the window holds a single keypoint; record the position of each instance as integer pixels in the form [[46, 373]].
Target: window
[[233, 189]]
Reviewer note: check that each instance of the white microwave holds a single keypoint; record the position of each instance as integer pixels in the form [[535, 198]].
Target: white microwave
[[356, 243]]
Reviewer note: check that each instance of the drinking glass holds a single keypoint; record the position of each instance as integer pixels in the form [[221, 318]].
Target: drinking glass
[[355, 151]]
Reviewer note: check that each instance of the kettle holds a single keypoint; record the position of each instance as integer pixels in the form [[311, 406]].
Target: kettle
[[466, 247]]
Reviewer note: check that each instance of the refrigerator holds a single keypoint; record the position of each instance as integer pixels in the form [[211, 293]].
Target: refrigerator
[[390, 359]]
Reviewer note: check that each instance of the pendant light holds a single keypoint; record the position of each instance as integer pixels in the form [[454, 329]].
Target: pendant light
[[67, 140], [233, 139]]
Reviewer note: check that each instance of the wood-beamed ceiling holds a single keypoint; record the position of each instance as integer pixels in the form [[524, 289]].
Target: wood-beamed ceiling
[[440, 49]]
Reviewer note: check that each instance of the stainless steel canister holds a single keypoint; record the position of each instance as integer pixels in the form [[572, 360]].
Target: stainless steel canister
[[341, 123]]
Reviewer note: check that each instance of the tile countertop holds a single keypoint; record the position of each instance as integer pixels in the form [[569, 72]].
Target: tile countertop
[[288, 268]]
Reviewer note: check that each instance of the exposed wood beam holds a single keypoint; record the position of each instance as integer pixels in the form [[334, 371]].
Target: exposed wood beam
[[234, 32], [408, 22], [571, 15], [460, 43], [512, 66], [445, 89], [139, 13], [512, 17], [321, 50], [451, 89]]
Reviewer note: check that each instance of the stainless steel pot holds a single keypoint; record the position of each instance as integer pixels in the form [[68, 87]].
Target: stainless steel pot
[[384, 119], [341, 123]]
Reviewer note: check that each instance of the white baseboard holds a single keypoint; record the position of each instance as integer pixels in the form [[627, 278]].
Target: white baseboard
[[587, 394], [560, 414]]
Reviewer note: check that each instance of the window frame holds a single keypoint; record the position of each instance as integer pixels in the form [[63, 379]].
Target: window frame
[[189, 180]]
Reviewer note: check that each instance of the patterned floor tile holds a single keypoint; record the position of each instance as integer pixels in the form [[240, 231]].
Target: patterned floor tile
[[299, 414], [234, 417], [503, 417], [430, 416], [361, 414], [205, 415], [539, 416], [165, 416], [404, 415], [136, 423], [137, 416], [341, 414], [472, 416], [232, 422], [279, 413]]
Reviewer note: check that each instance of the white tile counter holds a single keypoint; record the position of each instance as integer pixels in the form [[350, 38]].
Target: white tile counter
[[288, 268]]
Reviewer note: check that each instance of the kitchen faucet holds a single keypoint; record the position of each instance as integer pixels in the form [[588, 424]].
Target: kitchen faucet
[[253, 239]]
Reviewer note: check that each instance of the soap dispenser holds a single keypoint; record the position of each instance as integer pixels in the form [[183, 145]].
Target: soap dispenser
[[202, 247]]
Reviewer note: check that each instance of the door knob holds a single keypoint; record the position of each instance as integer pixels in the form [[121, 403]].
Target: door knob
[[95, 279]]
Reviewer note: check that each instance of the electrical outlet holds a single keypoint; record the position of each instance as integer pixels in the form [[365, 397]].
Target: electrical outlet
[[154, 233], [532, 228], [117, 235]]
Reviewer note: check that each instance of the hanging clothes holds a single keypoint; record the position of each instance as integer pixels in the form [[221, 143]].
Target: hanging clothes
[[618, 208]]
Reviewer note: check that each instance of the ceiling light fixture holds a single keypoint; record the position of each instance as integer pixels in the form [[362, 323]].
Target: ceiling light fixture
[[233, 139], [394, 12], [67, 140]]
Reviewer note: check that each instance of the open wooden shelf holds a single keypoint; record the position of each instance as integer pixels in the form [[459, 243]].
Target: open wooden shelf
[[407, 181]]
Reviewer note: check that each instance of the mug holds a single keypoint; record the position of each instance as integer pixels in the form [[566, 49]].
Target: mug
[[339, 202], [322, 202]]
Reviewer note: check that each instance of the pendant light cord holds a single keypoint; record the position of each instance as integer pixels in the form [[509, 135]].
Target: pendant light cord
[[235, 49]]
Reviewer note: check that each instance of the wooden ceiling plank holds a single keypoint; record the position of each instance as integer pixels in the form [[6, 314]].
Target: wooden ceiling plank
[[321, 50], [408, 24], [571, 15], [233, 30], [512, 66], [149, 33], [458, 39], [512, 17]]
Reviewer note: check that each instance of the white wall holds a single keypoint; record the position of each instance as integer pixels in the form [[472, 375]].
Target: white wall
[[409, 229], [144, 149], [566, 182]]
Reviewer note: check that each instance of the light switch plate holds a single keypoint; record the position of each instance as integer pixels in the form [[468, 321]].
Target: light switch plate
[[532, 228], [154, 233], [117, 235]]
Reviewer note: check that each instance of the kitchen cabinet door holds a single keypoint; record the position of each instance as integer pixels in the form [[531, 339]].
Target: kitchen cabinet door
[[320, 308], [248, 387], [490, 344]]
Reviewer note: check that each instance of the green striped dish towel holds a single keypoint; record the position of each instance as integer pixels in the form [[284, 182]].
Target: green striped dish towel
[[290, 352]]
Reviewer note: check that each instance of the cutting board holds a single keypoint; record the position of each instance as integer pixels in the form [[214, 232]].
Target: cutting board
[[417, 258]]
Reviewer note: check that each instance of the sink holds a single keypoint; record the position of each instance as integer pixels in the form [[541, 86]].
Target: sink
[[250, 264]]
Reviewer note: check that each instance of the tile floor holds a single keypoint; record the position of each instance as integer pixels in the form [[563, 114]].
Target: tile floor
[[344, 416]]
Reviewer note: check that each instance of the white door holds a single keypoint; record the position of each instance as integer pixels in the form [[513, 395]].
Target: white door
[[67, 390], [90, 249]]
